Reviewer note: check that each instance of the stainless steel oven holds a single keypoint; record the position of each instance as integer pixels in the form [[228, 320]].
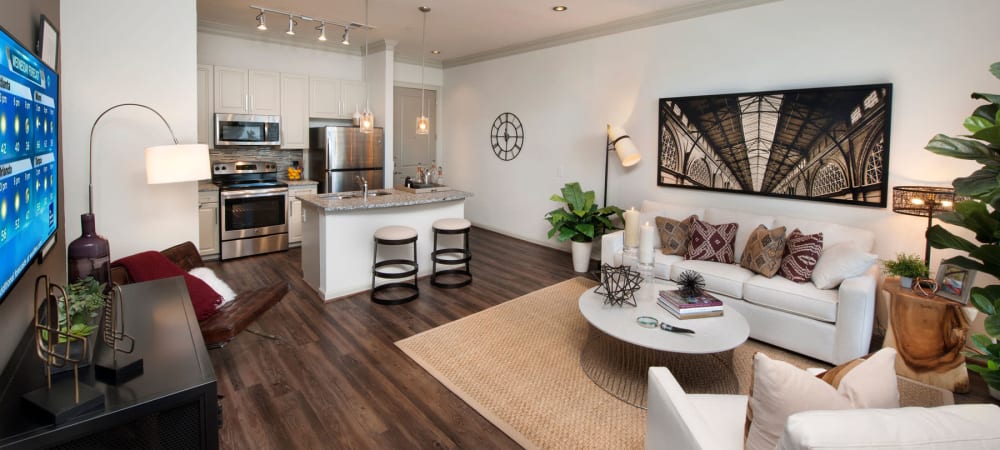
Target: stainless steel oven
[[252, 213]]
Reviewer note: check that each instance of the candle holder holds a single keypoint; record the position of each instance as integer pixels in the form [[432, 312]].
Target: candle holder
[[647, 273], [630, 255]]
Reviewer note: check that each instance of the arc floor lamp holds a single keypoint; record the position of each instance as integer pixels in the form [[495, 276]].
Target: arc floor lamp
[[620, 143]]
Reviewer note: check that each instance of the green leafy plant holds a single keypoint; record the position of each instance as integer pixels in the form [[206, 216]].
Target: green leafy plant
[[981, 215], [86, 297], [581, 220], [905, 265]]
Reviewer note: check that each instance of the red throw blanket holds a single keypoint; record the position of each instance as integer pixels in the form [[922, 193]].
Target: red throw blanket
[[148, 266]]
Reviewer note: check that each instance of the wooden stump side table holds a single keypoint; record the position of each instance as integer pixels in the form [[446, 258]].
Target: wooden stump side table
[[929, 334]]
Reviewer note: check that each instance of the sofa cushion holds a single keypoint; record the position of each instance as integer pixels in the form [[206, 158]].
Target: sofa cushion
[[833, 234], [725, 279], [951, 427], [674, 234], [802, 252], [802, 299], [840, 262], [764, 250], [710, 242], [650, 210], [747, 222], [780, 389]]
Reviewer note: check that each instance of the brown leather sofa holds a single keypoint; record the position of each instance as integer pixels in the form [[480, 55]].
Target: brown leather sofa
[[231, 318]]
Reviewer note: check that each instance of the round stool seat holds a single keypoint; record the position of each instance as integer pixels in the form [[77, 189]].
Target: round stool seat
[[451, 224], [395, 233]]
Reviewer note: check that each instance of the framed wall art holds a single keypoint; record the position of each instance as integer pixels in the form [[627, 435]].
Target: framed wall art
[[825, 144], [955, 283]]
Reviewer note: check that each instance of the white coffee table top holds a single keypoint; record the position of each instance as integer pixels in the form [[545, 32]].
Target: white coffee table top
[[711, 334]]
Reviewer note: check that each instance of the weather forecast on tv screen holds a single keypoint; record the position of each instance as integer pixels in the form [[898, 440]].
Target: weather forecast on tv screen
[[28, 150]]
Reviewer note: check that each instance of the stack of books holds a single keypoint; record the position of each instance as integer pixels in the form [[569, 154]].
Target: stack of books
[[704, 305]]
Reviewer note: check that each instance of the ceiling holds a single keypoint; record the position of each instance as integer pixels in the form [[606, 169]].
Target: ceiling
[[463, 30]]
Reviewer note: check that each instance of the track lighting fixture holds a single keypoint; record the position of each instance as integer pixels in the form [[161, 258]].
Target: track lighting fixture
[[321, 27], [260, 21]]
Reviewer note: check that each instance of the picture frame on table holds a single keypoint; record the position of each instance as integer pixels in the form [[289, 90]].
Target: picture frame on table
[[954, 282], [47, 45]]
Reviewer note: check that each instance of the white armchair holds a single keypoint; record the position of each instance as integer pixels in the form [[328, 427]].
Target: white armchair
[[696, 421]]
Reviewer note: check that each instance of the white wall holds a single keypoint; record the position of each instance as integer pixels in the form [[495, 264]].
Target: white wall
[[117, 51], [935, 52], [231, 51]]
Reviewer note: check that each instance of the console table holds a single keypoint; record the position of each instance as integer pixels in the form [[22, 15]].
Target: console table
[[171, 405]]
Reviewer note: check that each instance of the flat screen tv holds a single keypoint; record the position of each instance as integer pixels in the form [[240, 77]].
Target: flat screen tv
[[29, 99]]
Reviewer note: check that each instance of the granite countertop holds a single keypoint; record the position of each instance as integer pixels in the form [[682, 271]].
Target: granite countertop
[[207, 186], [299, 182], [330, 202]]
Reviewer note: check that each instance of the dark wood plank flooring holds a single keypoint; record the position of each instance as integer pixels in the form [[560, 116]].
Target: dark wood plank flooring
[[336, 380]]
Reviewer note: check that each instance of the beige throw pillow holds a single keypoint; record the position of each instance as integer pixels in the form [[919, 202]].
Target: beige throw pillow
[[780, 389], [764, 251], [674, 234]]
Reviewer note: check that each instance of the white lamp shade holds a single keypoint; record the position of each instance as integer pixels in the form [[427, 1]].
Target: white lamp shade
[[176, 163], [627, 152]]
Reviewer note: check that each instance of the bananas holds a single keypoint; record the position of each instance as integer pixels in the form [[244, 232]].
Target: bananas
[[294, 174]]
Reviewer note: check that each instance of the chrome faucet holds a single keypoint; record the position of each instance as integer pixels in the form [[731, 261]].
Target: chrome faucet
[[363, 184]]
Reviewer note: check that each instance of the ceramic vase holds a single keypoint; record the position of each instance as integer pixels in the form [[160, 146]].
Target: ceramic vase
[[581, 255], [906, 282], [89, 254]]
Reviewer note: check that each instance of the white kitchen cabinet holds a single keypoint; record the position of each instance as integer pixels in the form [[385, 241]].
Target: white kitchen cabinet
[[294, 111], [295, 217], [242, 91], [330, 98], [208, 223], [205, 104]]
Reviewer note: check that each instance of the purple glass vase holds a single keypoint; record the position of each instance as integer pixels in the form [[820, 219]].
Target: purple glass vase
[[89, 255]]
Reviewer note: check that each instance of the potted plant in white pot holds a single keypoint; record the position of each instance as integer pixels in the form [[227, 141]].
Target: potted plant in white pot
[[580, 221]]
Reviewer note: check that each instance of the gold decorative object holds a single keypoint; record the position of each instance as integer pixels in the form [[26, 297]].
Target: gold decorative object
[[117, 370]]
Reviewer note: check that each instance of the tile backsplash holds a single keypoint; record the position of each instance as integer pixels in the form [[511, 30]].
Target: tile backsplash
[[283, 158]]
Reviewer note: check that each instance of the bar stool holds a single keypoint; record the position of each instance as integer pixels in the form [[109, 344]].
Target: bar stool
[[395, 235], [451, 256]]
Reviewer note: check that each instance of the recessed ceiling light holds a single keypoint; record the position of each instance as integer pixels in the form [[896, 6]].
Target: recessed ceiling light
[[436, 52], [559, 8]]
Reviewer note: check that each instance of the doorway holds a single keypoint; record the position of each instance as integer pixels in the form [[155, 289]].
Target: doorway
[[408, 147]]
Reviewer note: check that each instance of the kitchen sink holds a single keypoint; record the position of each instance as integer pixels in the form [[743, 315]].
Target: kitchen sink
[[350, 195], [378, 193]]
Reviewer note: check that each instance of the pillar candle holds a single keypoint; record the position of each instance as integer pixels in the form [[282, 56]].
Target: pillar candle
[[631, 228], [646, 243]]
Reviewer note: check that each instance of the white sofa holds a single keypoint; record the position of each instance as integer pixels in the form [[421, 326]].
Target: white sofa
[[832, 325], [705, 421]]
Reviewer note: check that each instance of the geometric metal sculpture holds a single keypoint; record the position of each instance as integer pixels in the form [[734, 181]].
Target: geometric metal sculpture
[[618, 285], [117, 370]]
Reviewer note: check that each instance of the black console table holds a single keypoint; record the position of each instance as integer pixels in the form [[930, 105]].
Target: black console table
[[171, 405]]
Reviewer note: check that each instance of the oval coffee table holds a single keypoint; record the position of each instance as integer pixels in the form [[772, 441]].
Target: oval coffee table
[[619, 352]]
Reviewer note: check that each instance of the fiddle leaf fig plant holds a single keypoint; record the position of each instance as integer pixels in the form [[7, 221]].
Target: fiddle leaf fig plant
[[981, 215], [580, 220]]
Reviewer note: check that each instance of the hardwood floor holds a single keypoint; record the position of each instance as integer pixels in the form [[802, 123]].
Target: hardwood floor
[[335, 379]]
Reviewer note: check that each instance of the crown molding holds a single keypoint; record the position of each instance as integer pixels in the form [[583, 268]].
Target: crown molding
[[631, 23]]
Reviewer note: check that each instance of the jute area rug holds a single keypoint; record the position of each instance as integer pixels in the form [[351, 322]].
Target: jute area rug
[[518, 364]]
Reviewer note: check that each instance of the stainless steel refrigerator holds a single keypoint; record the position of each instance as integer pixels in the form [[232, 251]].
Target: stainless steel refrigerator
[[337, 155]]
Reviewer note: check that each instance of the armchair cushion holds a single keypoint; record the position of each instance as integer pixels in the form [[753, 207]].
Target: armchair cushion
[[678, 420]]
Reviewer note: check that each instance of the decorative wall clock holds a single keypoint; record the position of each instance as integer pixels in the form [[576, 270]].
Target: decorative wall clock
[[507, 136]]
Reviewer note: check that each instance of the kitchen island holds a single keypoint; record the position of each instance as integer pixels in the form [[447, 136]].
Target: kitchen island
[[338, 229]]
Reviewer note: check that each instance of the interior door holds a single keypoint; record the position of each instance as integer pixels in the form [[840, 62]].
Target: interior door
[[409, 148]]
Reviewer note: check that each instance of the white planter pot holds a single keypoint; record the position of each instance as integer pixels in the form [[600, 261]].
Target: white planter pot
[[906, 282], [581, 256]]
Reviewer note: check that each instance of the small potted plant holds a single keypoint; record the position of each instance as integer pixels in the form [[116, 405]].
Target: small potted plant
[[86, 297], [907, 267], [580, 221]]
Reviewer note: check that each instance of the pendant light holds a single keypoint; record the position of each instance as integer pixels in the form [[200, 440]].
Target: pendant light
[[423, 122], [367, 118]]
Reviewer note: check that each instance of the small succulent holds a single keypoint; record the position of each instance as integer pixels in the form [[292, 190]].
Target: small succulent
[[691, 283]]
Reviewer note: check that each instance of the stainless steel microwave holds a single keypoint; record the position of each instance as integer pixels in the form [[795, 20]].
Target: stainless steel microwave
[[247, 130]]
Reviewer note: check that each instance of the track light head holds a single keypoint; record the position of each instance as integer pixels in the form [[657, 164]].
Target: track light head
[[322, 32], [260, 21], [346, 40], [291, 26]]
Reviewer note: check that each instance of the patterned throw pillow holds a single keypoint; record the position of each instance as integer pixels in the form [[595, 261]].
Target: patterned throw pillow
[[802, 251], [712, 242], [764, 250], [674, 234]]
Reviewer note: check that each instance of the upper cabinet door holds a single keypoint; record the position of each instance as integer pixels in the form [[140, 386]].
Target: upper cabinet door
[[205, 103], [324, 98], [294, 111], [231, 95], [352, 97], [265, 92]]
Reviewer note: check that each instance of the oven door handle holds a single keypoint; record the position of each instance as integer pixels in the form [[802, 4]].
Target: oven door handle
[[253, 192]]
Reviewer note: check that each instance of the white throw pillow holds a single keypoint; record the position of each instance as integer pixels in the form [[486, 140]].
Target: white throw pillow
[[840, 262], [220, 287], [780, 389]]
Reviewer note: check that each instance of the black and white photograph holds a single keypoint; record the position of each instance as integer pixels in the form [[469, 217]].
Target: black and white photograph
[[824, 144]]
